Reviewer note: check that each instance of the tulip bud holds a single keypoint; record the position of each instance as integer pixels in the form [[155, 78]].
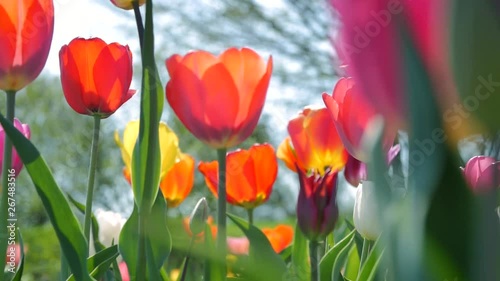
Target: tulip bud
[[199, 217], [365, 214], [355, 171], [317, 210], [110, 226]]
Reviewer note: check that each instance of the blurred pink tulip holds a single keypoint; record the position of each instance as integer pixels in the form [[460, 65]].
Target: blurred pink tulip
[[17, 164], [370, 44], [480, 173], [124, 271]]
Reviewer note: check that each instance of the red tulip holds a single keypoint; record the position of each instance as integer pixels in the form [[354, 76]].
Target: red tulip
[[26, 28], [316, 143], [218, 99], [95, 76], [370, 43], [352, 113], [482, 173], [17, 164], [249, 178]]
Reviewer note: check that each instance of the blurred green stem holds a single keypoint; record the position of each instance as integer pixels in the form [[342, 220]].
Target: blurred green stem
[[250, 215], [186, 260], [91, 178], [221, 211], [7, 163], [364, 252], [138, 21], [313, 257]]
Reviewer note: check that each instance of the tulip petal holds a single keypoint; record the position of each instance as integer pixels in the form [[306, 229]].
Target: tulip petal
[[70, 80], [7, 42], [210, 172], [186, 95], [265, 168], [221, 92]]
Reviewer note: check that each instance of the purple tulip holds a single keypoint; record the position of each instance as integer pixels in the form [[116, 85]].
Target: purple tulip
[[317, 210]]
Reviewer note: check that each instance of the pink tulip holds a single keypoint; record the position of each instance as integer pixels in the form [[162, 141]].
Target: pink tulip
[[17, 165], [124, 271], [370, 43], [480, 172], [352, 113]]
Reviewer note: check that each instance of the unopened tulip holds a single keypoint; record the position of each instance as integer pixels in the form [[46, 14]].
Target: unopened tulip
[[26, 28], [218, 99], [317, 210], [110, 226], [365, 214]]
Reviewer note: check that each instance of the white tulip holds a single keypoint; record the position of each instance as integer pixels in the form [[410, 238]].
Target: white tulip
[[365, 214], [110, 225]]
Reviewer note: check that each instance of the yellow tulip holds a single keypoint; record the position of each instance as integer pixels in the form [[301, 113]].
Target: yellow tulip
[[169, 146]]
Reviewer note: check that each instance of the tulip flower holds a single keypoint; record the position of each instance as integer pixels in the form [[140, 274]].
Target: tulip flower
[[17, 165], [370, 43], [352, 113], [124, 271], [482, 173], [110, 226], [95, 76], [250, 175], [200, 236], [169, 146], [178, 181], [280, 237], [127, 4], [218, 99], [316, 143], [365, 214], [317, 210], [26, 28]]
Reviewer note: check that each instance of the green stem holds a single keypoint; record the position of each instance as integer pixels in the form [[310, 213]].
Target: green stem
[[221, 211], [313, 257], [7, 163], [186, 261], [250, 215], [138, 21], [91, 178]]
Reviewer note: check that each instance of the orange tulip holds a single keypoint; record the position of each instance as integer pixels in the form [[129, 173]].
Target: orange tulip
[[126, 4], [26, 28], [95, 76], [249, 178], [178, 182], [316, 142], [218, 99], [280, 237]]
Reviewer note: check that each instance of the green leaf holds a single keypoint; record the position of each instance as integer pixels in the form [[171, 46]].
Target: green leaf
[[20, 268], [159, 240], [98, 246], [352, 265], [68, 231], [264, 263], [99, 263], [475, 41], [128, 243], [301, 269], [116, 271], [340, 261], [370, 267], [146, 157], [326, 265]]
